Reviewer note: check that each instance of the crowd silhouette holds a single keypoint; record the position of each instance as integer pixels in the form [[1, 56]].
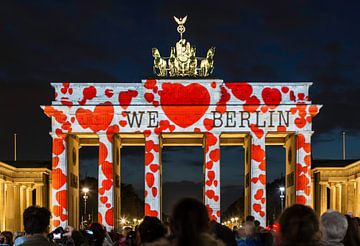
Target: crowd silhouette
[[190, 226]]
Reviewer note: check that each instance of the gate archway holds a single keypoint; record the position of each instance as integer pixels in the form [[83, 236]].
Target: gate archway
[[143, 113]]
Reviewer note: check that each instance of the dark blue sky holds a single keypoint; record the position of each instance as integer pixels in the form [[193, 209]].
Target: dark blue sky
[[44, 41]]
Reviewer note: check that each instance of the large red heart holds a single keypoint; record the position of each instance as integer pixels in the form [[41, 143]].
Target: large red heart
[[184, 105], [96, 120]]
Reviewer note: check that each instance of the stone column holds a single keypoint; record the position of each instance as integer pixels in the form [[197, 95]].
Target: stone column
[[117, 182], [39, 195], [258, 177], [357, 198], [29, 200], [153, 190], [212, 175], [338, 197], [2, 205], [332, 196], [247, 180], [59, 189], [290, 169], [22, 204], [303, 168], [344, 198], [350, 196], [17, 214], [323, 198], [10, 205], [106, 189]]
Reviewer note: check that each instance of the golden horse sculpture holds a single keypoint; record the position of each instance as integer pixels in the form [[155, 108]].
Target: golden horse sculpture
[[182, 60], [207, 64], [159, 63]]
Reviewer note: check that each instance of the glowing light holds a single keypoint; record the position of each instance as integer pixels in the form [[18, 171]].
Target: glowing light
[[123, 221], [85, 190]]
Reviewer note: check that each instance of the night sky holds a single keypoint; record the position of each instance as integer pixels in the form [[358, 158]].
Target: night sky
[[45, 41]]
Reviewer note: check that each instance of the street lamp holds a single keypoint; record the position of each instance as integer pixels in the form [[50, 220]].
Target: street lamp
[[85, 196], [282, 190], [123, 221]]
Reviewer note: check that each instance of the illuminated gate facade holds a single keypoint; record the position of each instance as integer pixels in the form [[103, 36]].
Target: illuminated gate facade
[[195, 112]]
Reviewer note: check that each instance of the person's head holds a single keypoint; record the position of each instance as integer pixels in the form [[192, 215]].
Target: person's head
[[299, 226], [7, 237], [151, 229], [189, 219], [36, 220], [126, 231], [250, 218], [249, 228], [352, 236], [333, 226], [98, 233]]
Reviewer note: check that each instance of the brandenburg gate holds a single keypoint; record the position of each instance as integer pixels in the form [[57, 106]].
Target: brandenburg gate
[[183, 106]]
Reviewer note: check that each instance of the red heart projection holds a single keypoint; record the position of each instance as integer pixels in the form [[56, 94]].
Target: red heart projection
[[271, 97], [150, 212], [193, 100], [59, 178], [241, 91], [96, 120], [125, 98], [61, 198], [109, 217]]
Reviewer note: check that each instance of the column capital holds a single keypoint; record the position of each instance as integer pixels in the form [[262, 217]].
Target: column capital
[[324, 183], [55, 135], [308, 133]]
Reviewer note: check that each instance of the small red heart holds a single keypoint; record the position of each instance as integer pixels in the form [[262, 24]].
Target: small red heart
[[150, 84], [107, 169], [154, 168], [211, 175], [259, 194], [215, 155], [209, 165], [154, 191], [208, 124], [109, 218], [271, 97], [125, 98], [149, 177], [149, 97], [59, 178], [241, 91], [147, 133], [109, 92], [107, 184], [63, 90], [149, 157], [61, 198], [103, 199], [101, 191], [122, 123], [149, 212], [96, 120]]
